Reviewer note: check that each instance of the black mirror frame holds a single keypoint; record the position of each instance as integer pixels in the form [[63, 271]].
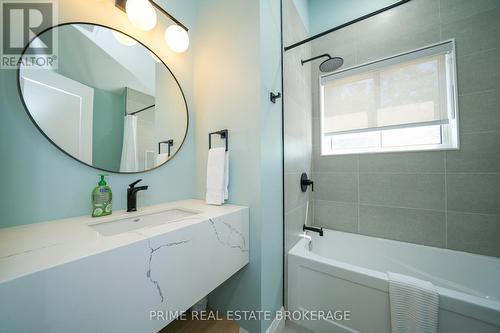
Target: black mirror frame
[[21, 96]]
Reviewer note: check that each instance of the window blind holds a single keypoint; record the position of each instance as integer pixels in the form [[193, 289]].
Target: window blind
[[412, 90]]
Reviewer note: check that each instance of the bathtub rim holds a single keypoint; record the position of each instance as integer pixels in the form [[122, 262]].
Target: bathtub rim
[[472, 306]]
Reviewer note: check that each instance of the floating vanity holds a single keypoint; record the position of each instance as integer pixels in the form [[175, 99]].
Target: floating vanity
[[107, 275]]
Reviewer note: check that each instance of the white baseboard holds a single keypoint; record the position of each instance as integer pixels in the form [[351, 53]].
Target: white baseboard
[[277, 325]]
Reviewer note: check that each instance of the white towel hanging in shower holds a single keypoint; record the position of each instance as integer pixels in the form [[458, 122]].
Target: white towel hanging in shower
[[414, 304]]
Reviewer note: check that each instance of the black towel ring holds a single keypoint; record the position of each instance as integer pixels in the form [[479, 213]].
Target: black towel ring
[[223, 135]]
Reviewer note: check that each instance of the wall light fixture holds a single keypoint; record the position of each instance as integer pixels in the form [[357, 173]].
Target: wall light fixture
[[142, 15]]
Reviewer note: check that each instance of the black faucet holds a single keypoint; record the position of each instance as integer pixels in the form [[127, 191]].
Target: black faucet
[[315, 229], [132, 195]]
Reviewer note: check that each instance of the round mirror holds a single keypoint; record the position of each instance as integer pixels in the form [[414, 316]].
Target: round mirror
[[104, 99]]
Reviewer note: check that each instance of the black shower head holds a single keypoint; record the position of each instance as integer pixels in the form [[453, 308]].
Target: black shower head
[[329, 65]]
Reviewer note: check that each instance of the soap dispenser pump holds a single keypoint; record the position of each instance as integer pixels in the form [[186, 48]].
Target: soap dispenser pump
[[102, 198]]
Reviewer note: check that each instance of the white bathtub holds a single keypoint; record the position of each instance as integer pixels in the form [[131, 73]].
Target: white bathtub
[[348, 272]]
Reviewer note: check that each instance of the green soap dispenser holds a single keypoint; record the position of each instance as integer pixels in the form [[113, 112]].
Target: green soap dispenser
[[102, 198]]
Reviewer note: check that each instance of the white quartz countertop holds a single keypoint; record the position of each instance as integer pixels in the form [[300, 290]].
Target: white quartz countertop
[[35, 247]]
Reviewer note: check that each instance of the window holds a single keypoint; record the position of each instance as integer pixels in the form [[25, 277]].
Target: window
[[402, 103]]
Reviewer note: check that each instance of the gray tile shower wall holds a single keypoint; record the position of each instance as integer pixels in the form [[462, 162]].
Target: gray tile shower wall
[[297, 126], [446, 199], [298, 121]]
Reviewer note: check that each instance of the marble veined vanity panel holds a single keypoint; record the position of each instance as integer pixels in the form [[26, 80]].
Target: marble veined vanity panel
[[165, 268]]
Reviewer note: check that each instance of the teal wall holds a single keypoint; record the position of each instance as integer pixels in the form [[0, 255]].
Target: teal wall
[[326, 14], [239, 41], [108, 122], [227, 49], [41, 183]]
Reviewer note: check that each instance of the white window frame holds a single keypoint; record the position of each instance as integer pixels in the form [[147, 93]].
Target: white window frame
[[450, 129]]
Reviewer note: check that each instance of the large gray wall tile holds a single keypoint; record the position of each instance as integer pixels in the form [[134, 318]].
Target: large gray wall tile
[[454, 10], [474, 233], [479, 152], [403, 190], [335, 186], [316, 134], [398, 30], [371, 49], [294, 221], [475, 33], [297, 116], [480, 111], [402, 162], [408, 225], [338, 163], [474, 193], [297, 147], [315, 98], [297, 155], [336, 215], [342, 44], [294, 197], [477, 72]]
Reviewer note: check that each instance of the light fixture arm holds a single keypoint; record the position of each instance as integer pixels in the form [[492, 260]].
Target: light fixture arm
[[121, 5]]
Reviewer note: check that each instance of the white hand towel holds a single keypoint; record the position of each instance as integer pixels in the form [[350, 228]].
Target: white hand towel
[[414, 304], [226, 177], [216, 166]]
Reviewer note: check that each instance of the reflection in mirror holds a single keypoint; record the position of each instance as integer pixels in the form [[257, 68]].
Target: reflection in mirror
[[108, 101]]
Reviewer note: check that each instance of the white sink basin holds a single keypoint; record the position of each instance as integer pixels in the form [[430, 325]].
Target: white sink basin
[[116, 227]]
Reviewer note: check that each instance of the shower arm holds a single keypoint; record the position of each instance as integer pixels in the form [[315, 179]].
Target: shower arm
[[314, 58]]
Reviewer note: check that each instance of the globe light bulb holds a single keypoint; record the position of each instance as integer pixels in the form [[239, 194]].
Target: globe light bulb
[[123, 39], [177, 38], [141, 13]]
